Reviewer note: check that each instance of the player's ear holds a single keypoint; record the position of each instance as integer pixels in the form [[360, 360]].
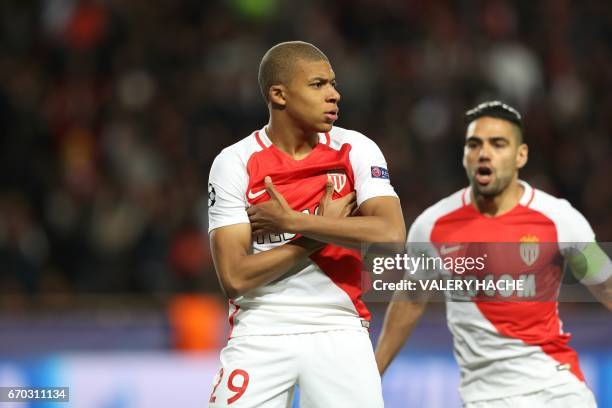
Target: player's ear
[[277, 95], [522, 155]]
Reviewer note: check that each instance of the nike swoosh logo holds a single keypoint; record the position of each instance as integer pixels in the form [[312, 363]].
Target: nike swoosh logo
[[562, 367], [253, 196], [444, 250]]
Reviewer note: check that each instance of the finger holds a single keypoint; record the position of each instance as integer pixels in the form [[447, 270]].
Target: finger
[[354, 200], [257, 226], [251, 210], [349, 197], [270, 188], [348, 209], [275, 194], [254, 220], [329, 189], [262, 231], [257, 232]]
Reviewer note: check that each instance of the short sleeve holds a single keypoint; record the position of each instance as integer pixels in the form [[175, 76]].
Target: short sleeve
[[370, 170], [227, 185], [574, 230], [418, 244]]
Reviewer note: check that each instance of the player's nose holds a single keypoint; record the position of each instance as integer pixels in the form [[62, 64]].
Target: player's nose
[[333, 96], [484, 153]]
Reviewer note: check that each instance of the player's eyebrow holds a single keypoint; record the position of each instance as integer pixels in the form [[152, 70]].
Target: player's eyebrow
[[498, 139], [322, 79], [492, 139]]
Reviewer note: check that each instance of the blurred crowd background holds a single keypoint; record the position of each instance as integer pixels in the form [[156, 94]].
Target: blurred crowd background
[[111, 113]]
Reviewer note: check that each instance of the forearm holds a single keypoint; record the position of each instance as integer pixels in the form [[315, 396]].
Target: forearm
[[603, 293], [400, 319], [240, 273], [349, 231]]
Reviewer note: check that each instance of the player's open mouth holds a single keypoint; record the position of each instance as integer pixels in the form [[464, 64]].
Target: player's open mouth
[[483, 175], [332, 115]]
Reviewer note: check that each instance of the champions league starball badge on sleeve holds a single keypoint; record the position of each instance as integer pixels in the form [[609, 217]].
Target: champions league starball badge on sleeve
[[212, 195]]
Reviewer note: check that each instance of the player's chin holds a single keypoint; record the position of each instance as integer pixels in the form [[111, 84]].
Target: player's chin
[[488, 190], [325, 127]]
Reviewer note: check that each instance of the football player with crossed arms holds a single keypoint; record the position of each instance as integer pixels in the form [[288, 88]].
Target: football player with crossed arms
[[511, 353], [287, 253]]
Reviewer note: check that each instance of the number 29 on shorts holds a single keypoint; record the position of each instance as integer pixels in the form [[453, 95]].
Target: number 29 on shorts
[[233, 384]]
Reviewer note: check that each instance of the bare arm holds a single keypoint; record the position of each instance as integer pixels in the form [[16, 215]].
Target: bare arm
[[380, 220], [603, 292], [400, 319], [239, 270]]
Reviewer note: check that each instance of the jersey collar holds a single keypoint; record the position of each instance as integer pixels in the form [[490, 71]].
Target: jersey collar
[[264, 141]]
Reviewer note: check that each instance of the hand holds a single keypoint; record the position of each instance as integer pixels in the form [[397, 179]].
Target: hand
[[272, 217], [339, 208]]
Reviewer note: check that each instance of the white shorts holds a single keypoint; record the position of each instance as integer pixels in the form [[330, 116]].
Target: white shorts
[[571, 395], [332, 369]]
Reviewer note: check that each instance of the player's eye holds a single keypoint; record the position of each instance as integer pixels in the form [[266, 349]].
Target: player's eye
[[317, 84]]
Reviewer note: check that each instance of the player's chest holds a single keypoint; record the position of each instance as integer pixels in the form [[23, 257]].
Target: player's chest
[[518, 226], [301, 182], [518, 243]]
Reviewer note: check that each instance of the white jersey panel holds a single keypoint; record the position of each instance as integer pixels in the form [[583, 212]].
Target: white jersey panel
[[572, 227], [369, 165], [303, 300], [419, 234], [421, 228], [228, 180], [493, 365]]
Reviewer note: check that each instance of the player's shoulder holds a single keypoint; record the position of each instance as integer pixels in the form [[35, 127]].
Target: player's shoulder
[[551, 206], [444, 207], [231, 163], [340, 136], [571, 225], [422, 226], [237, 154]]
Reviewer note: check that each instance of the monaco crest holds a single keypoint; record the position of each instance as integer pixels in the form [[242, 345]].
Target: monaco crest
[[338, 180], [529, 249]]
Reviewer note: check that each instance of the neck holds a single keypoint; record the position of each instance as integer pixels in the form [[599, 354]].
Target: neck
[[289, 138], [501, 203]]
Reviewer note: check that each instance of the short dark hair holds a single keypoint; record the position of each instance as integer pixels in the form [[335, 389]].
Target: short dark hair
[[277, 64], [496, 109]]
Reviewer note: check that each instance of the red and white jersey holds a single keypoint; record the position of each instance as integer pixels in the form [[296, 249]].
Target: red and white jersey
[[324, 291], [508, 348]]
